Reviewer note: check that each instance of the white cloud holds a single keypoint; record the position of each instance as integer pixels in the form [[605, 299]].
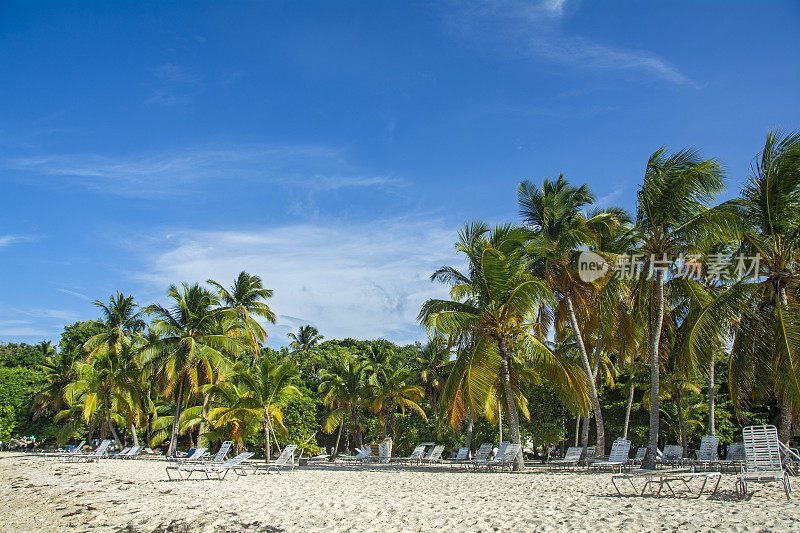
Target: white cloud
[[534, 29], [7, 240], [312, 167], [364, 281]]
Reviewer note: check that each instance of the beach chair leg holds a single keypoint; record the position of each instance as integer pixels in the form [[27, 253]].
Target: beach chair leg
[[787, 486]]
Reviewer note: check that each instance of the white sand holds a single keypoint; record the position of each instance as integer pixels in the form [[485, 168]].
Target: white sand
[[135, 496]]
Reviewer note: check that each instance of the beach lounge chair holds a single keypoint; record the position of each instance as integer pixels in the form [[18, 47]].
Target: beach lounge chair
[[505, 459], [435, 455], [58, 455], [385, 451], [480, 456], [120, 453], [460, 456], [278, 464], [641, 452], [706, 456], [132, 452], [666, 477], [762, 460], [672, 456], [210, 470], [193, 456], [478, 462], [735, 457], [364, 455], [89, 457], [219, 457], [415, 457], [571, 458], [617, 459]]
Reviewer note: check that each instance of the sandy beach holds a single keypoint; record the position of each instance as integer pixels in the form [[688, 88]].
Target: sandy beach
[[136, 496]]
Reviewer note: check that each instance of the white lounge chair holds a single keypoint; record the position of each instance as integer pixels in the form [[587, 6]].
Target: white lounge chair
[[762, 460], [58, 455], [385, 451], [461, 456], [435, 455], [415, 457], [132, 452], [571, 458], [480, 456], [209, 470], [219, 457], [618, 458], [707, 455], [278, 464], [124, 451], [88, 457], [478, 462], [193, 457], [364, 455], [672, 456], [735, 457], [505, 458]]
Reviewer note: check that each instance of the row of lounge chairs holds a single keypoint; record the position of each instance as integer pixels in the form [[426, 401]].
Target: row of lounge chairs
[[218, 467]]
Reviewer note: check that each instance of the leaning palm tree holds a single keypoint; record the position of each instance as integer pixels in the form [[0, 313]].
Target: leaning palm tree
[[193, 346], [497, 301], [673, 218], [245, 300], [344, 389], [559, 230]]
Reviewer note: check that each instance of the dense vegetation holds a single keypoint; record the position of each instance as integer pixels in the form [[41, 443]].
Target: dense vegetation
[[683, 332]]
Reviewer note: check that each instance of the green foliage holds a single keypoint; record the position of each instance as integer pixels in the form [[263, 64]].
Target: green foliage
[[15, 401], [12, 355]]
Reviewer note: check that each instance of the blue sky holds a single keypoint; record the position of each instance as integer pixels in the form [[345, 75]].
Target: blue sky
[[335, 148]]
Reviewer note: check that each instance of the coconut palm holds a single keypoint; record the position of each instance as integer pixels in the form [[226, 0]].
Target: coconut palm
[[193, 346], [344, 389], [432, 365], [122, 325], [394, 390], [497, 301], [305, 346], [765, 358], [672, 218], [559, 230], [245, 300], [261, 392], [57, 371]]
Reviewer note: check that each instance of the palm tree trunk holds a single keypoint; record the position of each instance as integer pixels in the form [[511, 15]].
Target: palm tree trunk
[[265, 427], [110, 424], [577, 429], [499, 423], [598, 414], [470, 427], [435, 407], [355, 428], [204, 412], [338, 437], [628, 410], [681, 423], [135, 437], [786, 420], [173, 438], [712, 429], [587, 424], [513, 419], [652, 445]]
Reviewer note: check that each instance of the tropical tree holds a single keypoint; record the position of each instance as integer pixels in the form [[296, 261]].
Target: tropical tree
[[394, 390], [672, 218], [305, 346], [344, 389], [262, 392], [765, 357], [245, 300], [191, 347], [432, 365], [58, 371], [559, 230], [121, 323], [497, 301]]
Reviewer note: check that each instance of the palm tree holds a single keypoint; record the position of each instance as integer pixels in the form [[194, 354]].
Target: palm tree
[[432, 364], [497, 301], [559, 229], [58, 371], [343, 387], [305, 345], [122, 325], [265, 390], [765, 358], [394, 390], [192, 346], [245, 301], [672, 218]]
